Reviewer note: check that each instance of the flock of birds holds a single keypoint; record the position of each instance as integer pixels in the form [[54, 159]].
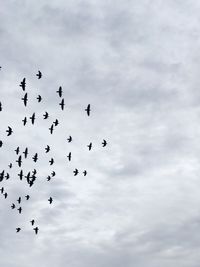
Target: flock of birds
[[31, 176]]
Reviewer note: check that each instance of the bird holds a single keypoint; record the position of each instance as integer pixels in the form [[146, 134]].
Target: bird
[[13, 206], [2, 190], [59, 91], [23, 84], [7, 176], [0, 106], [25, 152], [34, 171], [5, 195], [27, 197], [69, 156], [47, 148], [69, 139], [36, 230], [32, 222], [2, 175], [39, 74], [45, 115], [62, 104], [53, 173], [88, 110], [32, 118], [48, 178], [104, 143], [1, 143], [9, 131], [20, 210], [75, 172], [17, 150], [35, 157], [85, 172], [51, 161], [19, 161], [28, 177], [25, 99], [51, 129], [90, 146], [24, 121], [19, 200], [56, 122], [50, 200], [39, 98], [18, 229], [10, 165], [21, 175]]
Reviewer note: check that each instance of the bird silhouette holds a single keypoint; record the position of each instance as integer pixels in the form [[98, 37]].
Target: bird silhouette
[[50, 200], [19, 161], [18, 229], [45, 115], [51, 161], [47, 148], [85, 172], [27, 197], [62, 104], [35, 157], [69, 139], [39, 98], [24, 121], [75, 172], [53, 173], [5, 195], [32, 222], [56, 122], [69, 156], [51, 129], [88, 110], [1, 143], [23, 84], [104, 143], [20, 210], [10, 165], [25, 152], [13, 206], [19, 200], [32, 118], [0, 106], [17, 150], [7, 176], [48, 178], [90, 146], [36, 229], [9, 131], [2, 190], [39, 74], [59, 91], [25, 99], [21, 175], [2, 175]]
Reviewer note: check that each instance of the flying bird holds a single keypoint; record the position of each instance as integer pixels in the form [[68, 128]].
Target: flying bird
[[47, 148], [48, 178], [10, 165], [53, 173], [104, 143], [21, 175], [56, 122], [36, 229], [69, 139], [13, 206], [23, 84], [24, 121], [32, 222], [51, 161], [32, 118], [59, 91], [19, 200], [51, 129], [25, 152], [69, 156], [75, 172], [7, 176], [25, 99], [39, 74], [88, 110], [2, 190], [34, 171], [62, 104], [2, 175], [5, 195], [50, 200], [39, 98], [27, 197], [35, 157], [9, 131], [19, 161], [18, 229], [90, 146], [0, 106], [20, 210], [85, 172], [45, 115], [17, 150], [1, 143]]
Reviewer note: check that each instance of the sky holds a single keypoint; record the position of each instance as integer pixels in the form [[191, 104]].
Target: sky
[[137, 64]]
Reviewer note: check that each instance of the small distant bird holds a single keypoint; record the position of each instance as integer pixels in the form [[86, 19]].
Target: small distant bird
[[20, 210], [35, 157], [90, 146], [104, 143], [0, 106], [13, 206], [53, 173], [19, 161], [85, 172], [50, 200], [2, 190], [69, 139], [1, 143], [19, 200], [75, 172], [56, 122], [5, 195], [32, 118], [62, 104], [17, 150], [51, 161], [45, 115], [39, 98], [47, 148], [23, 84], [59, 91], [48, 178], [9, 131], [7, 176], [34, 171], [25, 152], [25, 99], [88, 110], [24, 121], [27, 197], [39, 74], [51, 129], [69, 156], [18, 229], [32, 222], [10, 165], [2, 175], [21, 175], [36, 229]]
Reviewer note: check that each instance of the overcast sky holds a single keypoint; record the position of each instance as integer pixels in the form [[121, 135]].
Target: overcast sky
[[138, 64]]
